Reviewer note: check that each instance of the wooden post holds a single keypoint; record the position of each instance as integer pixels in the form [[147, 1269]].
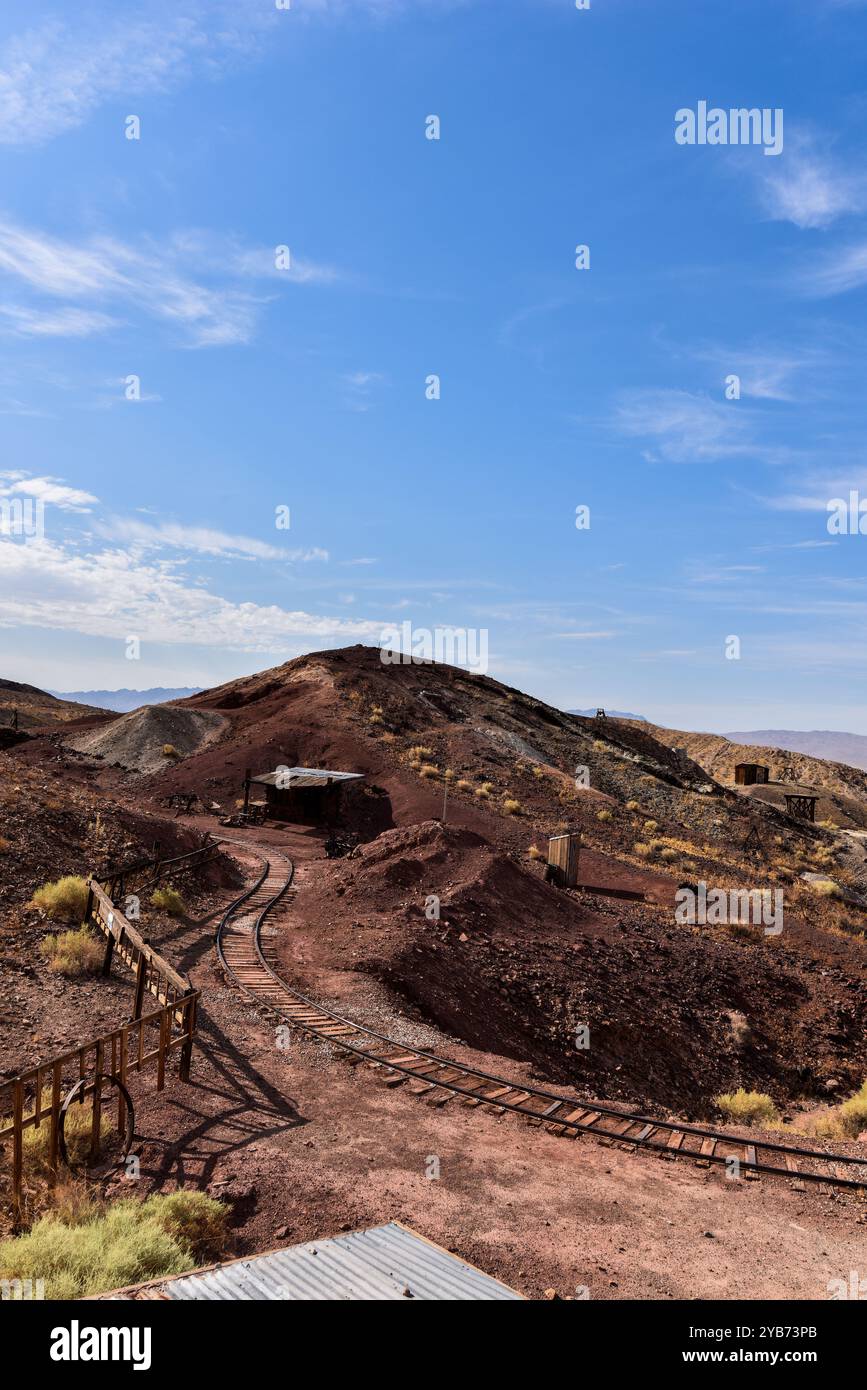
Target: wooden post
[[161, 1052], [187, 1049], [121, 1076], [17, 1146], [97, 1105], [247, 774], [141, 971], [54, 1141], [109, 951]]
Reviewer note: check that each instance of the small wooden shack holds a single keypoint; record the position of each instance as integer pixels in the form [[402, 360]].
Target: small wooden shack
[[749, 774], [305, 795]]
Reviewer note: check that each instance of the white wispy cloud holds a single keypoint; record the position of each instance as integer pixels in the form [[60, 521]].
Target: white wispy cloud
[[359, 386], [54, 76], [52, 491], [203, 540], [837, 272], [112, 593], [683, 427], [810, 187], [167, 283], [65, 322]]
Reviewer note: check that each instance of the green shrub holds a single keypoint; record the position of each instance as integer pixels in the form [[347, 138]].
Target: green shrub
[[125, 1243], [747, 1107], [65, 899], [168, 900], [73, 953]]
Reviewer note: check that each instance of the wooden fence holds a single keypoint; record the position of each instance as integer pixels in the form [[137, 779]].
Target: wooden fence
[[38, 1096]]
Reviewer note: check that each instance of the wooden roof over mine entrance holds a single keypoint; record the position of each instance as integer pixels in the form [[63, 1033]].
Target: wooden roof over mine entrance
[[286, 778]]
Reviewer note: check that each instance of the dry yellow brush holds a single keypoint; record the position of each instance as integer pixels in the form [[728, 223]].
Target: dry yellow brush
[[86, 1247], [845, 1121]]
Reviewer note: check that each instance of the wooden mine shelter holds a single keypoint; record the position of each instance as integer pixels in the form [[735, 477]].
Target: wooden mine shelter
[[748, 774], [307, 795]]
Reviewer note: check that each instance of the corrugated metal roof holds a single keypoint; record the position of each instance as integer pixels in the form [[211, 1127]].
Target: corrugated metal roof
[[387, 1262], [286, 777]]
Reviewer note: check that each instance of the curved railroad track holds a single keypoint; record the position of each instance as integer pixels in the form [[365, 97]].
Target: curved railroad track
[[242, 956]]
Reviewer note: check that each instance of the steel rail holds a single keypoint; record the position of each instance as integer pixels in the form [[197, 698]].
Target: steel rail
[[528, 1092]]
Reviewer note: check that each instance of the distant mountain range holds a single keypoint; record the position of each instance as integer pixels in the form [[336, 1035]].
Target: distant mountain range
[[612, 714], [122, 701], [817, 743]]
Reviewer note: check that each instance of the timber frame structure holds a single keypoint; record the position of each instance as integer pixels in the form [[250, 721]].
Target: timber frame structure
[[43, 1094]]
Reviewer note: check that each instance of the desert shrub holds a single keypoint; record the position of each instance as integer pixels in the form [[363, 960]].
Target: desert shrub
[[449, 775], [535, 852], [419, 751], [73, 953], [511, 806], [853, 1113], [538, 771], [125, 1243], [168, 900], [604, 815], [599, 743], [170, 751], [66, 898], [632, 805], [667, 853], [650, 825], [375, 718], [845, 1121], [428, 770], [642, 850], [826, 888], [484, 791], [197, 1222], [747, 1107], [463, 785]]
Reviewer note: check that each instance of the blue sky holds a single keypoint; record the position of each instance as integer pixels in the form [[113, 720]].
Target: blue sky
[[305, 387]]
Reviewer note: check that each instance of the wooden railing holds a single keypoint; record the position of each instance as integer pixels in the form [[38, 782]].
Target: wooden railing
[[37, 1096]]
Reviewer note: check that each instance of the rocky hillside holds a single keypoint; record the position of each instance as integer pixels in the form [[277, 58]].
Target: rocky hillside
[[842, 789], [36, 708], [828, 744]]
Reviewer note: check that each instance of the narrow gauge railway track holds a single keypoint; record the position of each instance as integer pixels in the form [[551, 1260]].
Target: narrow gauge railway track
[[242, 956]]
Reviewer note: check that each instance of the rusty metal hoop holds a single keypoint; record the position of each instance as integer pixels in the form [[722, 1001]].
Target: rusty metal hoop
[[129, 1128]]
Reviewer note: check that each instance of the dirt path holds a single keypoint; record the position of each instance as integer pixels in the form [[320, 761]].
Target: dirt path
[[305, 1146]]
